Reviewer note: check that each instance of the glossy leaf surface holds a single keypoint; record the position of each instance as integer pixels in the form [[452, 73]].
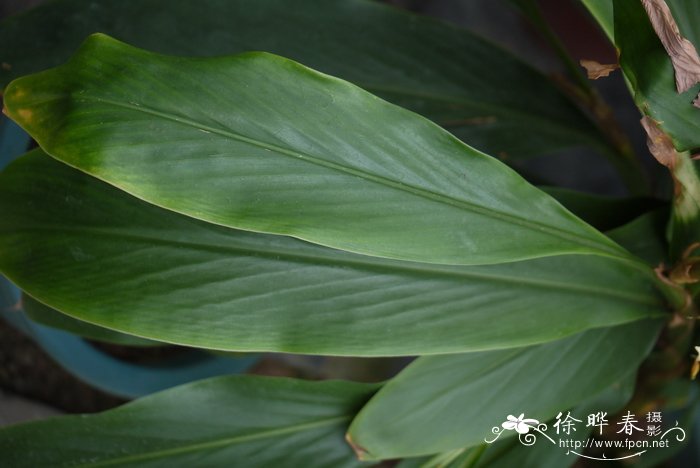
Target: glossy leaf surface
[[261, 143], [483, 94], [448, 402], [227, 421], [96, 253]]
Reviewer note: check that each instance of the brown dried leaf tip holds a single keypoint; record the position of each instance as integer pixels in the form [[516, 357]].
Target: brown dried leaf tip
[[660, 144], [684, 57], [596, 70]]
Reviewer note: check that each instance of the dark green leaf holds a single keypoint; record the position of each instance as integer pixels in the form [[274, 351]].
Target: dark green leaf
[[226, 421], [96, 253], [446, 402], [483, 94], [261, 143]]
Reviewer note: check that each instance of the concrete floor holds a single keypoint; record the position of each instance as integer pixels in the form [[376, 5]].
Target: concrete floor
[[15, 409]]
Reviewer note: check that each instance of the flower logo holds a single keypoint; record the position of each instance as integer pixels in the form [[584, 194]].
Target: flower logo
[[520, 424]]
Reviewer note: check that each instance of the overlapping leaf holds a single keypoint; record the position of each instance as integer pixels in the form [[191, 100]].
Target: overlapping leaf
[[261, 143], [226, 421], [94, 252], [483, 94], [447, 402]]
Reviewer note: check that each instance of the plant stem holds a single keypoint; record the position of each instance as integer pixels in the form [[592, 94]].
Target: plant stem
[[684, 228]]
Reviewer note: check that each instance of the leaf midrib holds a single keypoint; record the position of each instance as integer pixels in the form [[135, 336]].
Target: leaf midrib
[[217, 443], [365, 262], [604, 248]]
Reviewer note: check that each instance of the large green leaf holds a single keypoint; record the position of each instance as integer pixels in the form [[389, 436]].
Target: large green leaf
[[483, 94], [442, 403], [649, 72], [226, 421], [94, 252], [261, 143]]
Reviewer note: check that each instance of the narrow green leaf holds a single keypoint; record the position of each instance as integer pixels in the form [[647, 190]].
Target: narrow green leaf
[[45, 315], [100, 255], [650, 74], [481, 93], [261, 143], [447, 402], [225, 421]]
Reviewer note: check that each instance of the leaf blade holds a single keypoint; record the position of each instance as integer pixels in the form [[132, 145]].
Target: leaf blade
[[238, 419], [260, 143], [433, 399], [159, 275]]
